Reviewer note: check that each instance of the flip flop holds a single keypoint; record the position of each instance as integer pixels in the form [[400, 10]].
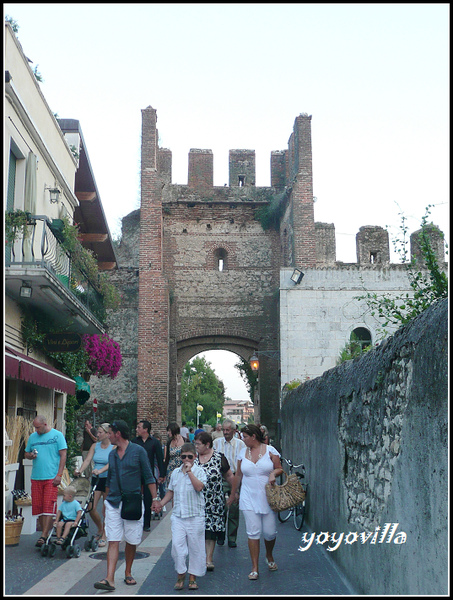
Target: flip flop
[[272, 565], [253, 575], [193, 585], [102, 543], [129, 580], [104, 585]]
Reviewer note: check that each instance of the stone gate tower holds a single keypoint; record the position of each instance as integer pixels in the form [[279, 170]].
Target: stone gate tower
[[209, 264]]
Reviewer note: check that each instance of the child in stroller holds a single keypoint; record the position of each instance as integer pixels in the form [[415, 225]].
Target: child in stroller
[[76, 529], [68, 515]]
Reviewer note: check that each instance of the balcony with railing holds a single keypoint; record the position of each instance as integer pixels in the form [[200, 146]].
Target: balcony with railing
[[40, 272]]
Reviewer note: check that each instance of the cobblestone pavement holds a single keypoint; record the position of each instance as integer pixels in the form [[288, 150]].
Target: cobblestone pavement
[[299, 573]]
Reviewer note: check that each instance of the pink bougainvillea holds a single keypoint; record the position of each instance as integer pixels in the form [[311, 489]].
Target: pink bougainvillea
[[104, 355]]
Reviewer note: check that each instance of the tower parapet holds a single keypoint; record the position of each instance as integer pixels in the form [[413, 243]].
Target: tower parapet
[[201, 168], [436, 238], [242, 168], [372, 244]]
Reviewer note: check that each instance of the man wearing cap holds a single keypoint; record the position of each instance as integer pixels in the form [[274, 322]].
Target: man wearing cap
[[230, 446], [128, 467]]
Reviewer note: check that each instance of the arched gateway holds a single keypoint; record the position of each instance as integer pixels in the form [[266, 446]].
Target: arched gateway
[[209, 264]]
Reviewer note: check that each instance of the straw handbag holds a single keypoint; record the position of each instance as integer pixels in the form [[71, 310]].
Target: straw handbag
[[290, 493]]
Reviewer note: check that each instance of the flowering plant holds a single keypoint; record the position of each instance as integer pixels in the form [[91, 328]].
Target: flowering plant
[[104, 355]]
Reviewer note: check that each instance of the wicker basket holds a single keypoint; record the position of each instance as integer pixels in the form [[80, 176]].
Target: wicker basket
[[13, 530], [25, 502]]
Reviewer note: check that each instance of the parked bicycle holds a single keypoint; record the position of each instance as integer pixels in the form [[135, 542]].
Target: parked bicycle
[[298, 511]]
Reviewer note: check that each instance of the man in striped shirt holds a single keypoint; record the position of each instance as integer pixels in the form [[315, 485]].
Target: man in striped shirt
[[230, 446]]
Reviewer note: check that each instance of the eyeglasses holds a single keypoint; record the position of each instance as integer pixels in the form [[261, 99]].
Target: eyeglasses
[[189, 456]]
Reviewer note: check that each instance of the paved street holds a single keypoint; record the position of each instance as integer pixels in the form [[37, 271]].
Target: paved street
[[299, 573]]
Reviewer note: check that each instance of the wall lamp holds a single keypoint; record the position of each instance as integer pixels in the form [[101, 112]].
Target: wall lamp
[[297, 276], [254, 360], [54, 195], [26, 290]]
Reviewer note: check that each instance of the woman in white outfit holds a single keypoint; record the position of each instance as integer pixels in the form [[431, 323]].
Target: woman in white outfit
[[257, 465]]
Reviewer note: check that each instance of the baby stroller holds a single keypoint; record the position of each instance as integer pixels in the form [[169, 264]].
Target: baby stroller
[[80, 530]]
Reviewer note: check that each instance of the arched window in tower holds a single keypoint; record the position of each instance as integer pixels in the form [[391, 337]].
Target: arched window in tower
[[362, 336], [220, 262]]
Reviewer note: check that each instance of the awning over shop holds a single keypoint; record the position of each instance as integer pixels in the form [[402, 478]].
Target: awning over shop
[[20, 366]]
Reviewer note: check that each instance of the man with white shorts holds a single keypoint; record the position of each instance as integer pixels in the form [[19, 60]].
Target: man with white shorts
[[128, 466]]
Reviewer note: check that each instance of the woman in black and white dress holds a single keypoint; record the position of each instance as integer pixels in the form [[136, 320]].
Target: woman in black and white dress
[[217, 468]]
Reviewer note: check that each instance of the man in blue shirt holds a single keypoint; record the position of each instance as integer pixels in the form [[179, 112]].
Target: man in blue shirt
[[128, 467], [154, 450], [47, 448]]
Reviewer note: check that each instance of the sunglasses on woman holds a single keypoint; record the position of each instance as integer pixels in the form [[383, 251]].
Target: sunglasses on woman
[[189, 456]]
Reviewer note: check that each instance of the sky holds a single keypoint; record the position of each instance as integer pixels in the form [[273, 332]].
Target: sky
[[374, 77]]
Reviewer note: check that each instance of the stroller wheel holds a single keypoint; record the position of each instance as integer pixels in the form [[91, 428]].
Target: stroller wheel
[[77, 551], [87, 546], [44, 550], [52, 549], [70, 551], [94, 544]]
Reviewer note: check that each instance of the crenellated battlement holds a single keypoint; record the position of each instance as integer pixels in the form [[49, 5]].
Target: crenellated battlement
[[285, 164]]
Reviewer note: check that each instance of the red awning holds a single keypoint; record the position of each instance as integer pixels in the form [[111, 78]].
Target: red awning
[[20, 366]]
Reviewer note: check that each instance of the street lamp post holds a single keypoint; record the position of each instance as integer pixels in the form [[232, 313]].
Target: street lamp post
[[199, 411]]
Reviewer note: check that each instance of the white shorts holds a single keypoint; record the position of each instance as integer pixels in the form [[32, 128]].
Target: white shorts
[[118, 529], [259, 524]]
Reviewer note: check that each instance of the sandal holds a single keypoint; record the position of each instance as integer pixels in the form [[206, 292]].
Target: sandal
[[102, 543], [104, 585], [179, 585], [253, 575], [193, 584], [272, 565], [41, 542], [210, 566], [129, 580], [60, 541]]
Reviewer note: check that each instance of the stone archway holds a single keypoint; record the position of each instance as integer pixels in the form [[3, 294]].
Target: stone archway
[[189, 348]]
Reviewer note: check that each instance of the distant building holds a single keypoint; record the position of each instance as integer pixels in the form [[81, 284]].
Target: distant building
[[238, 411]]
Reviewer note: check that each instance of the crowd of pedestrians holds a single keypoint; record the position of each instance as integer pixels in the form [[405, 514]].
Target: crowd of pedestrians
[[206, 477]]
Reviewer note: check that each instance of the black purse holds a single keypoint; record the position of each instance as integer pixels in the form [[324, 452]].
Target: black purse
[[131, 502]]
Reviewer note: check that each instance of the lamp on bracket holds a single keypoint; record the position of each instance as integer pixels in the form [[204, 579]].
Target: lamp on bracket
[[26, 290], [254, 361], [54, 194]]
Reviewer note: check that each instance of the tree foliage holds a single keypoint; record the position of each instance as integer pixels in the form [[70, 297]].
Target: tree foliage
[[352, 349], [250, 377], [428, 280], [200, 385]]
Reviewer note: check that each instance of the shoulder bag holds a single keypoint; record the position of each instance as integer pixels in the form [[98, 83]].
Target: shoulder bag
[[131, 502], [290, 493]]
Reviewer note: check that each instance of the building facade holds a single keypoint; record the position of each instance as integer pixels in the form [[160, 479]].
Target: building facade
[[48, 179], [206, 267]]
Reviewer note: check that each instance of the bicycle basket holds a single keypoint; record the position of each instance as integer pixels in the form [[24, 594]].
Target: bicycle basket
[[290, 493]]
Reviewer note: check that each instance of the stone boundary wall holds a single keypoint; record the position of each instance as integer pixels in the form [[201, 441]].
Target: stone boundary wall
[[373, 435]]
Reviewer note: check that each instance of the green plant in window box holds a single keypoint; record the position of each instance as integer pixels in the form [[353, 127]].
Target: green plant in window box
[[16, 222]]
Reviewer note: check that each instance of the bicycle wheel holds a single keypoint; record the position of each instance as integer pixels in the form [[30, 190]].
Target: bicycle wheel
[[299, 515], [284, 515]]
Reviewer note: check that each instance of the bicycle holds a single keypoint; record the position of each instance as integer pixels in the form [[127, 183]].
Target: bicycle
[[298, 511]]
